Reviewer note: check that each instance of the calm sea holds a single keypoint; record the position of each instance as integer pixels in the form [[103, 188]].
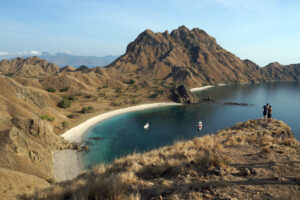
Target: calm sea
[[124, 134]]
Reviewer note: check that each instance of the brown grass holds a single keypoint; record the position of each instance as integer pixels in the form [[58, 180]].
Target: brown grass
[[166, 171]]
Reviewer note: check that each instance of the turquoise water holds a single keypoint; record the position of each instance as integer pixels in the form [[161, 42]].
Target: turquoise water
[[124, 134]]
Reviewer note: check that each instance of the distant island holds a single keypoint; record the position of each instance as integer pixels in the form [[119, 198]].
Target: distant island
[[63, 59]]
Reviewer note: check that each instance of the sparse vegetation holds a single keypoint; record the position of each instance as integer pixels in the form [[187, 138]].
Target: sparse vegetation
[[51, 89], [74, 115], [65, 103], [48, 118], [115, 103], [65, 124], [102, 94], [70, 97], [118, 90], [9, 74], [132, 81], [191, 169], [51, 180], [65, 89], [88, 109]]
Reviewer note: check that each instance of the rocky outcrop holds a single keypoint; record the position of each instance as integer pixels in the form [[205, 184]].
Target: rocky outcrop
[[179, 94]]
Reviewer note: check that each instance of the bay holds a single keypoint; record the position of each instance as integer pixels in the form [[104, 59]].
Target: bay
[[124, 134]]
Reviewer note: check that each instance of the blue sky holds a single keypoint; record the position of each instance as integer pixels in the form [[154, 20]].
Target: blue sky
[[261, 30]]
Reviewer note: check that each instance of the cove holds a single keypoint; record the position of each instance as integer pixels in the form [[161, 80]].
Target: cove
[[124, 134]]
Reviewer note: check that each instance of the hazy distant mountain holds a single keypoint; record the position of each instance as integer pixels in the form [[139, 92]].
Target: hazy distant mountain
[[63, 59]]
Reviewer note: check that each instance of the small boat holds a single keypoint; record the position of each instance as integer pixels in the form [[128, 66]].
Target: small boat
[[146, 126], [199, 126]]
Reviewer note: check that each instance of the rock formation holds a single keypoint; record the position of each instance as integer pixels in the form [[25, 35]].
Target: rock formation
[[179, 94]]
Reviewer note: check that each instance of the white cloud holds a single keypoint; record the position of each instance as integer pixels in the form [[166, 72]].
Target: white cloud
[[22, 53], [36, 53], [2, 53], [32, 52]]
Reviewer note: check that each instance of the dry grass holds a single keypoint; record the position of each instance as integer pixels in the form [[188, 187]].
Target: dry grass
[[171, 171]]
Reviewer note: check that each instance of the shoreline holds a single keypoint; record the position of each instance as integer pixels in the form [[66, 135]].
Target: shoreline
[[67, 164], [206, 87], [76, 133]]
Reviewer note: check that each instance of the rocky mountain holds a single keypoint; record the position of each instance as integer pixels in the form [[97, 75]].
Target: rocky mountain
[[185, 56], [277, 72], [194, 58], [64, 59]]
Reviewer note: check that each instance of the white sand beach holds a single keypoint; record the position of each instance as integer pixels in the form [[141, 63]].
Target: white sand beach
[[201, 88], [206, 87], [75, 134], [67, 164]]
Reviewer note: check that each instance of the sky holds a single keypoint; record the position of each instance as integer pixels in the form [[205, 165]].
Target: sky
[[263, 31]]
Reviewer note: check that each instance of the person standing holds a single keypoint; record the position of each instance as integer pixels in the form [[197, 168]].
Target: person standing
[[265, 111], [269, 113]]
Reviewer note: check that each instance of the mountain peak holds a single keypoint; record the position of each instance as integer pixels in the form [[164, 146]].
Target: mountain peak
[[186, 56]]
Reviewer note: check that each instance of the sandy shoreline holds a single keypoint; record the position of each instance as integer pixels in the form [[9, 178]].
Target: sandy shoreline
[[76, 133], [205, 87], [67, 163]]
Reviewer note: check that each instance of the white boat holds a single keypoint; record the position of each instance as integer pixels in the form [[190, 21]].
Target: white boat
[[199, 126], [146, 126]]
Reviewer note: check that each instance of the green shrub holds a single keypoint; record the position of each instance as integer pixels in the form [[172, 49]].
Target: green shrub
[[70, 97], [9, 74], [131, 82], [51, 181], [65, 124], [65, 89], [102, 94], [51, 89], [73, 115], [65, 103], [87, 109], [118, 90], [115, 104], [48, 118]]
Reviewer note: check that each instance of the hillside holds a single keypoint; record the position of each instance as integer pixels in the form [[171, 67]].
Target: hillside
[[277, 72], [251, 160], [40, 100], [28, 67]]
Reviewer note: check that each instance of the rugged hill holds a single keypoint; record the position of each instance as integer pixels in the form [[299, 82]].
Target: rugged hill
[[29, 67], [278, 72], [252, 160], [185, 56], [194, 58]]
